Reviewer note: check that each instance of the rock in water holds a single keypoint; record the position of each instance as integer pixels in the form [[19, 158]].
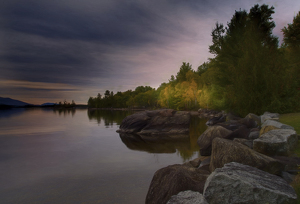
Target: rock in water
[[225, 151], [165, 121], [134, 123], [173, 179], [237, 183], [276, 142], [187, 197]]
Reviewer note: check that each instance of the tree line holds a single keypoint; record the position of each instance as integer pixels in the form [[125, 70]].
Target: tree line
[[250, 72]]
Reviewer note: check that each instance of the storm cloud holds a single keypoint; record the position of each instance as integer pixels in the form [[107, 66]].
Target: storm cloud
[[73, 49]]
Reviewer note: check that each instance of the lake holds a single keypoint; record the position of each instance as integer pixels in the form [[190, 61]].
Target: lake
[[76, 156]]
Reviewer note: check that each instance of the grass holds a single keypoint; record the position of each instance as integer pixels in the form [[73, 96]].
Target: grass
[[293, 119]]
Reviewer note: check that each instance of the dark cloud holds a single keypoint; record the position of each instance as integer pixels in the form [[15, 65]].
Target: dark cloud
[[107, 44]]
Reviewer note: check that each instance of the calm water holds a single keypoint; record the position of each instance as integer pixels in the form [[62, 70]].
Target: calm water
[[51, 156]]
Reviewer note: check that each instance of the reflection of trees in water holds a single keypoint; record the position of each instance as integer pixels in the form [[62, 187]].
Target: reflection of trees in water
[[108, 116], [65, 111], [184, 145]]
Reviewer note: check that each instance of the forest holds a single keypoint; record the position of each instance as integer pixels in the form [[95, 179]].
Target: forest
[[250, 72]]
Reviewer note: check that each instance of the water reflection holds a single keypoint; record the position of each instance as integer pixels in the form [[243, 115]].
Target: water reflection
[[109, 117], [157, 144], [64, 111], [184, 145], [8, 113]]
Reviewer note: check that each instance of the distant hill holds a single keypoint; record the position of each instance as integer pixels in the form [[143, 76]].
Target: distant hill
[[48, 104], [12, 102]]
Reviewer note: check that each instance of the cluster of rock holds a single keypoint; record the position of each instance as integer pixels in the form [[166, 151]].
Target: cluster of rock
[[207, 113], [157, 122], [244, 160]]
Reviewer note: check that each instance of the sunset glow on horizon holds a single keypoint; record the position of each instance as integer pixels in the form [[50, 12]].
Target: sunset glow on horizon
[[66, 50]]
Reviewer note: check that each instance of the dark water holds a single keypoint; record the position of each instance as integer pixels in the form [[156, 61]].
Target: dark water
[[51, 156]]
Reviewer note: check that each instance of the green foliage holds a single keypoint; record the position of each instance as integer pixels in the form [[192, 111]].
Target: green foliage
[[66, 104], [249, 72]]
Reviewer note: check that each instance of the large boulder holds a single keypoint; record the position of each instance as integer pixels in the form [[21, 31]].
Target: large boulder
[[247, 143], [248, 122], [158, 122], [266, 129], [134, 123], [269, 116], [253, 135], [187, 197], [206, 138], [241, 132], [276, 124], [276, 142], [225, 151], [173, 179], [237, 183], [254, 117]]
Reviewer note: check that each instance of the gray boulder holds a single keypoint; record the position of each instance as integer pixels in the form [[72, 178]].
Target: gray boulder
[[158, 122], [276, 142], [269, 116], [187, 197], [254, 117], [173, 179], [276, 124], [238, 183], [225, 151], [206, 138], [254, 135]]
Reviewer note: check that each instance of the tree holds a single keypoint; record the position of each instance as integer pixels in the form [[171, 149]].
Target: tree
[[291, 50], [181, 75], [292, 43], [247, 71]]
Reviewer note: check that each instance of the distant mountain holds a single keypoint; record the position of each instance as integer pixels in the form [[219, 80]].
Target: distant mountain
[[12, 102]]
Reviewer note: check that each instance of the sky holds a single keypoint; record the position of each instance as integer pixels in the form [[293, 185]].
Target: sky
[[60, 50]]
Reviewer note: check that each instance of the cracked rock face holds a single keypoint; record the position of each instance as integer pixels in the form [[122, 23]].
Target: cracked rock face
[[238, 183]]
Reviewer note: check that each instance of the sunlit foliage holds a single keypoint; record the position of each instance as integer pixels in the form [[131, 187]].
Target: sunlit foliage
[[249, 73]]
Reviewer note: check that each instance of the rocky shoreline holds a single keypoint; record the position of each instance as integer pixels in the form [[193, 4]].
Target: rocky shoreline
[[243, 160]]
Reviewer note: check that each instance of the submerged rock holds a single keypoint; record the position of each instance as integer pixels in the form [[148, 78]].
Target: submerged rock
[[236, 183]]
